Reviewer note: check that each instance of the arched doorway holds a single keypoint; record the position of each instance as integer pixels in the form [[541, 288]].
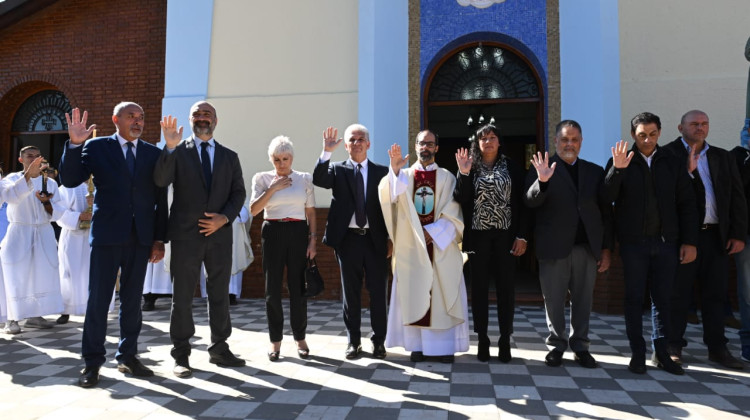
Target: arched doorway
[[478, 82], [40, 121]]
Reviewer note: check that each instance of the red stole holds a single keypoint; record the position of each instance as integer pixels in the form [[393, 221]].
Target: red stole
[[424, 203]]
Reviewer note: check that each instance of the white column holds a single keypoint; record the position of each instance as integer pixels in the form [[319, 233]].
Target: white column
[[189, 28], [590, 73], [383, 74]]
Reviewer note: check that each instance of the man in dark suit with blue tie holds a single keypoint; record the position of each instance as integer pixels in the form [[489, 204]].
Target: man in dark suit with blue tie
[[356, 231], [209, 192], [128, 229]]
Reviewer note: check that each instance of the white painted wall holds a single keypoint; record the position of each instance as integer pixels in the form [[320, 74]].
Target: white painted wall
[[590, 73], [678, 55], [282, 67]]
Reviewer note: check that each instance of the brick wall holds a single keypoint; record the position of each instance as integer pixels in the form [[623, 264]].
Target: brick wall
[[96, 54]]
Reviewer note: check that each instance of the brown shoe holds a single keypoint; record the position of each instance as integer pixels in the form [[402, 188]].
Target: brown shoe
[[724, 357]]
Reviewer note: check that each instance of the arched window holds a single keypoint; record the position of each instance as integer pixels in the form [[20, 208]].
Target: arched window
[[40, 121], [483, 72]]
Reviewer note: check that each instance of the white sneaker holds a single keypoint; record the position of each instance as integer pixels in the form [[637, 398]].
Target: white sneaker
[[11, 327], [38, 322]]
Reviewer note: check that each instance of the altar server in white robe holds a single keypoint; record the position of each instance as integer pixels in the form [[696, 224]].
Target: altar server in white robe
[[242, 255], [3, 229], [73, 251], [428, 312], [28, 253]]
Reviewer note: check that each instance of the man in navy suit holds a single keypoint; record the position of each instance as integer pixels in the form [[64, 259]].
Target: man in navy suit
[[128, 229], [356, 231], [209, 192]]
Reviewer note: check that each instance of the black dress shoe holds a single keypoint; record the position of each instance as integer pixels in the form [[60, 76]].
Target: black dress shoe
[[63, 319], [416, 356], [353, 351], [638, 364], [503, 352], [232, 299], [585, 359], [378, 351], [483, 348], [725, 358], [148, 305], [447, 359], [663, 360], [227, 359], [135, 368], [182, 368], [89, 377], [553, 358]]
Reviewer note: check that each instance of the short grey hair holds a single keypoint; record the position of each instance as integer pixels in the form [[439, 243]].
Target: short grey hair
[[279, 146], [356, 127], [119, 107]]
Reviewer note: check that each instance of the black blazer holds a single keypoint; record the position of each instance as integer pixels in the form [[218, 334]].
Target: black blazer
[[731, 206], [182, 169], [674, 197], [339, 176], [559, 207], [520, 215], [120, 199]]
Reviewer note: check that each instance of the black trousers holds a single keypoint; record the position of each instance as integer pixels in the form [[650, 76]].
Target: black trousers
[[492, 263], [284, 244], [710, 270], [187, 256], [359, 260]]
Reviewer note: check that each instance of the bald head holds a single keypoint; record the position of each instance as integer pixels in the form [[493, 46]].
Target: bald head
[[203, 120]]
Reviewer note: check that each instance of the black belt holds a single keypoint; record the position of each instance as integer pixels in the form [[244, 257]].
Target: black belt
[[707, 226], [359, 231]]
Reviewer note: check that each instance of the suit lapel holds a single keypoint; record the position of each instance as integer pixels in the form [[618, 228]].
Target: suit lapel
[[713, 165], [117, 155]]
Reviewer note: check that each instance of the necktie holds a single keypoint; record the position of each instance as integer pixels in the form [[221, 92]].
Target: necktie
[[130, 158], [359, 210], [206, 164]]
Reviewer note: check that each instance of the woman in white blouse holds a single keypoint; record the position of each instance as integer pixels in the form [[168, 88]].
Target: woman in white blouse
[[288, 238]]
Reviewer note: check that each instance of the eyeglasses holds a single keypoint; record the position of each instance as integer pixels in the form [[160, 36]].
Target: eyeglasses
[[428, 144]]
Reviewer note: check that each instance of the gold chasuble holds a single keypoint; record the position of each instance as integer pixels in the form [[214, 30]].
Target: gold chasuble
[[427, 280]]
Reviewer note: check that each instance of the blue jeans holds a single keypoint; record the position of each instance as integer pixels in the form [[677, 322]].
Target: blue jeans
[[651, 259], [742, 260]]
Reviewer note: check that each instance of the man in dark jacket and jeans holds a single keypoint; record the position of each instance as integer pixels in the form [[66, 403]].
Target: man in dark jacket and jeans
[[656, 221]]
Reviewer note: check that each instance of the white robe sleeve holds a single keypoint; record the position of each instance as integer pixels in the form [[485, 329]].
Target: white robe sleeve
[[442, 231], [399, 183], [15, 191], [58, 206], [69, 218]]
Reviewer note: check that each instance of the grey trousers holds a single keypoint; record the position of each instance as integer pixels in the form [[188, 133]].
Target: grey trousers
[[575, 273]]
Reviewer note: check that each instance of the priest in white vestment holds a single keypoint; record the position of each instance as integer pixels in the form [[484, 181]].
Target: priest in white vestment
[[428, 313], [28, 252]]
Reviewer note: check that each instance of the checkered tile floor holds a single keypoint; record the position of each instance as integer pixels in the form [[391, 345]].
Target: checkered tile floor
[[39, 370]]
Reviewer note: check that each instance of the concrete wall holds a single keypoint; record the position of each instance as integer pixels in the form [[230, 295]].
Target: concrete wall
[[677, 55]]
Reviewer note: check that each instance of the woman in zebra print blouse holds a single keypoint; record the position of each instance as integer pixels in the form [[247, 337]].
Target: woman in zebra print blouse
[[489, 188]]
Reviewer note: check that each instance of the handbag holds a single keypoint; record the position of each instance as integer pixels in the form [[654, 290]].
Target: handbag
[[313, 285]]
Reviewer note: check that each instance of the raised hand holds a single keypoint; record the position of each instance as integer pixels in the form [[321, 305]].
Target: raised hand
[[541, 163], [34, 169], [397, 161], [330, 139], [77, 130], [620, 156], [692, 163], [172, 135], [464, 160]]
